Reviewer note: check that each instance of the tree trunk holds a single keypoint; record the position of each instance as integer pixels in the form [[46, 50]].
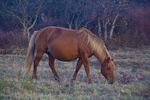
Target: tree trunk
[[99, 28], [26, 32], [70, 26], [105, 32], [105, 29], [76, 24], [113, 26]]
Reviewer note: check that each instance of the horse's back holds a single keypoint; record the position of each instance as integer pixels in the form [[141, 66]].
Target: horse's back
[[62, 43]]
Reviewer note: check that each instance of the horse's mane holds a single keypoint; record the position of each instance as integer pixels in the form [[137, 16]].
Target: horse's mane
[[90, 35], [96, 44]]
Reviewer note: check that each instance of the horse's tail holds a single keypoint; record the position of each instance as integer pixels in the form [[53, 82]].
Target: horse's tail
[[30, 53]]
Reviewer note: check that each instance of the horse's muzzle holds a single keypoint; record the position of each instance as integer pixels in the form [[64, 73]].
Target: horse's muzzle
[[110, 81]]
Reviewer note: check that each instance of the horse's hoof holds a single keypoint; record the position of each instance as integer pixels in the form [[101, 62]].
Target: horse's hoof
[[90, 81], [34, 77], [58, 80], [24, 76], [72, 82]]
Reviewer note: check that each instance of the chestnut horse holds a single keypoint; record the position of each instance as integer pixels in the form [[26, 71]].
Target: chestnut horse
[[66, 45]]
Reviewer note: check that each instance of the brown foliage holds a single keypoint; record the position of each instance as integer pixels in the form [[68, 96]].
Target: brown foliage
[[12, 39]]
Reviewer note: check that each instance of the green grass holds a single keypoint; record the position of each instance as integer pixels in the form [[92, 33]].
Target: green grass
[[132, 73]]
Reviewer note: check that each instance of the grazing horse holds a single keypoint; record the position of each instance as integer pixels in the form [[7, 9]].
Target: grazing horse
[[66, 45]]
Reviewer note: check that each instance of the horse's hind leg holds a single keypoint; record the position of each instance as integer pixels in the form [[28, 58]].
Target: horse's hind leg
[[52, 66], [37, 59], [78, 66]]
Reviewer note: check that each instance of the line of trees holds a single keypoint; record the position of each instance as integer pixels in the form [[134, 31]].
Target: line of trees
[[103, 16]]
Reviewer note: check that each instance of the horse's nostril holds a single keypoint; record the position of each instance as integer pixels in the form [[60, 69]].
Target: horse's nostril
[[110, 81]]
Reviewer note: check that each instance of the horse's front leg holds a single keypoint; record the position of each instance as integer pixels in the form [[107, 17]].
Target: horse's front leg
[[78, 66], [86, 66], [52, 66]]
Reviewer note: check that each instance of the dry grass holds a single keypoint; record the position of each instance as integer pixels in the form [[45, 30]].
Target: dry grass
[[132, 79]]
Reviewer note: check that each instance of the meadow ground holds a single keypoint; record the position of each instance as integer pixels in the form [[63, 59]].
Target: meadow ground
[[132, 73]]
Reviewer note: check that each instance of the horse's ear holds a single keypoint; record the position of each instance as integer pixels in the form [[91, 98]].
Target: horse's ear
[[112, 59], [108, 59]]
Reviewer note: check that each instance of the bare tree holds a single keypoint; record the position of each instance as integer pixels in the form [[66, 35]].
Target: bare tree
[[78, 13], [69, 14], [26, 11], [108, 12]]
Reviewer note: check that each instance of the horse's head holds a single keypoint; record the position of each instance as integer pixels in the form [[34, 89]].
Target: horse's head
[[107, 70]]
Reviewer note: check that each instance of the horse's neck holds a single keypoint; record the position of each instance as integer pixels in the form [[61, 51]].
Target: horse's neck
[[97, 46], [101, 52]]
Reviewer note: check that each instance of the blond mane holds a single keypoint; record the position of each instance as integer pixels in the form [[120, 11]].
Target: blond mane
[[96, 44]]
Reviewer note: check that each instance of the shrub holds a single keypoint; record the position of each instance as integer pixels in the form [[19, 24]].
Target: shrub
[[12, 39]]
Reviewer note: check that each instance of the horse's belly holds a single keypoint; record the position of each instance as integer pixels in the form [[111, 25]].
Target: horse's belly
[[64, 51]]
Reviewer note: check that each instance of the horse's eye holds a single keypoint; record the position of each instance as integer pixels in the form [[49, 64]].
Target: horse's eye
[[108, 68]]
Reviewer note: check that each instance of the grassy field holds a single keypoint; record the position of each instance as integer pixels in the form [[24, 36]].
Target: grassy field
[[132, 73]]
